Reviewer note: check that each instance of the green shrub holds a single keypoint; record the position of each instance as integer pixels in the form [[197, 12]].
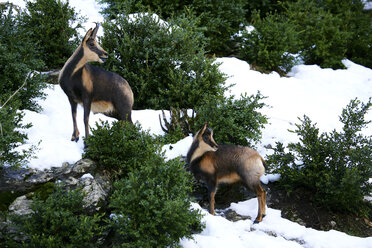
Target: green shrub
[[18, 86], [48, 23], [233, 121], [264, 7], [219, 19], [150, 196], [357, 22], [164, 63], [335, 167], [11, 137], [320, 32], [120, 147], [59, 221], [152, 206], [323, 40], [18, 58], [270, 44]]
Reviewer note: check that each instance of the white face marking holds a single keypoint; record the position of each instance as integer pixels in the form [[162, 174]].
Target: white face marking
[[202, 148]]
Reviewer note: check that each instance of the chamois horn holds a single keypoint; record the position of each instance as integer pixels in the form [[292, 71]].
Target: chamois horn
[[94, 33]]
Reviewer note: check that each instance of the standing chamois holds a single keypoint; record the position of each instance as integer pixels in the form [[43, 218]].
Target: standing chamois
[[220, 163], [96, 89]]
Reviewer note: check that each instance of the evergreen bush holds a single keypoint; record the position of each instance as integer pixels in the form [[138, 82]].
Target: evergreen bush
[[219, 19], [357, 22], [319, 32], [236, 122], [270, 46], [19, 85], [163, 62], [152, 206], [120, 147], [59, 221], [49, 24], [322, 36], [150, 201], [335, 167]]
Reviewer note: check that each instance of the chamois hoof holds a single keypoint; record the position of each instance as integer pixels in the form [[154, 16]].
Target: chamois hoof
[[76, 139], [256, 222]]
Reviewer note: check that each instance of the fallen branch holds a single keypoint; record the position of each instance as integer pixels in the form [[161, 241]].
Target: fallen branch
[[24, 83]]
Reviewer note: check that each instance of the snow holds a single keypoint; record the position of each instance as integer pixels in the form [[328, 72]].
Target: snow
[[88, 175], [319, 93]]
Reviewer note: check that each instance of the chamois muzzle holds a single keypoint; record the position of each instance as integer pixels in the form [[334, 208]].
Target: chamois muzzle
[[103, 57]]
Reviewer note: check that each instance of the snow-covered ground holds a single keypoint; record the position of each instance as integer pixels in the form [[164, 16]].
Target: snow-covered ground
[[319, 93]]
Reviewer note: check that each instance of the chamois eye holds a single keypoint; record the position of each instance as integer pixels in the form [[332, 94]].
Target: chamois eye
[[91, 44]]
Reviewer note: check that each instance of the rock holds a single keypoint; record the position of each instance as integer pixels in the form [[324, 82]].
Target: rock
[[23, 181], [233, 216], [84, 166], [21, 206], [333, 223], [96, 191], [14, 180], [52, 76]]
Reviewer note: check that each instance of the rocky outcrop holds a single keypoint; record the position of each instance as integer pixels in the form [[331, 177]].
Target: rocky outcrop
[[52, 76], [19, 184]]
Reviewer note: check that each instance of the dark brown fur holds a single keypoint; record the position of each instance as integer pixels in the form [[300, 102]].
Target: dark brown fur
[[96, 89], [214, 164]]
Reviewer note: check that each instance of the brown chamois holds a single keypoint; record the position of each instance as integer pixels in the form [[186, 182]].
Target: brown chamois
[[96, 89], [218, 163]]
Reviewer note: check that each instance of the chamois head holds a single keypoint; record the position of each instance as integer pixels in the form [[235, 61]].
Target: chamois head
[[205, 137], [203, 142], [93, 52]]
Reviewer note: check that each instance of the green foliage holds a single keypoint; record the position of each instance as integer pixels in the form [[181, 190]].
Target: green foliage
[[152, 205], [270, 44], [222, 19], [323, 38], [150, 197], [18, 86], [264, 6], [164, 63], [320, 32], [60, 221], [335, 167], [120, 147], [49, 25], [233, 121], [172, 136], [6, 198], [357, 22], [219, 19], [11, 137], [18, 58]]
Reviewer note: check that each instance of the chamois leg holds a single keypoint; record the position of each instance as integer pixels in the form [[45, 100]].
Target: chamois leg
[[123, 114], [264, 204], [75, 133], [261, 197], [87, 106], [212, 189]]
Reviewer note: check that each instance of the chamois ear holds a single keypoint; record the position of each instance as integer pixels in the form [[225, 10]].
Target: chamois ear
[[204, 128], [201, 131], [94, 33], [87, 35]]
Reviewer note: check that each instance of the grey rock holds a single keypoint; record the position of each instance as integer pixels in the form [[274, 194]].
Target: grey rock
[[96, 192], [23, 181], [21, 206]]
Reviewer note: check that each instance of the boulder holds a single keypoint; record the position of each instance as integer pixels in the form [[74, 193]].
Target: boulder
[[21, 182]]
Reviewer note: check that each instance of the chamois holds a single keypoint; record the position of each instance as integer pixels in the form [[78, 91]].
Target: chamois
[[218, 163], [96, 89]]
